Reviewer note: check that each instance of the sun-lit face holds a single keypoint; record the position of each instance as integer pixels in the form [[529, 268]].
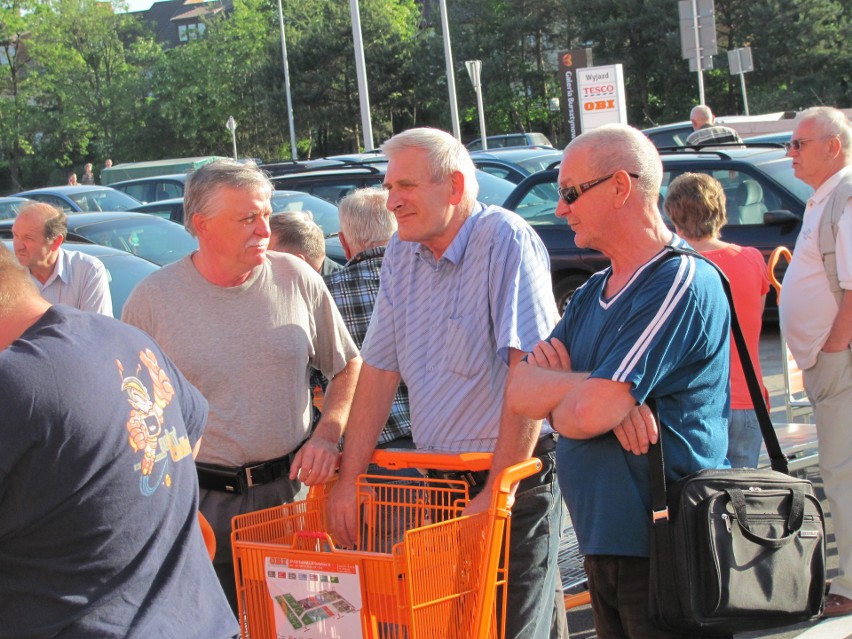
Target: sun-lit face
[[235, 235], [31, 247], [584, 214], [424, 209], [811, 160]]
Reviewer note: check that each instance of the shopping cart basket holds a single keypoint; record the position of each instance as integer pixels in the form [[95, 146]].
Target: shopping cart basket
[[421, 569]]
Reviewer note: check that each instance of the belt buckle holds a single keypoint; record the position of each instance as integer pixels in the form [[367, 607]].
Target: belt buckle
[[247, 476]]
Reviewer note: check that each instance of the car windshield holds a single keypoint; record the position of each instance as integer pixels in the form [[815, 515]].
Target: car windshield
[[781, 170], [103, 200], [492, 189], [9, 209], [151, 238], [540, 162], [324, 213]]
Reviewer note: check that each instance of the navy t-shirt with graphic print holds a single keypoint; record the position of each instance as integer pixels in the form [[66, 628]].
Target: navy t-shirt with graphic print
[[98, 491]]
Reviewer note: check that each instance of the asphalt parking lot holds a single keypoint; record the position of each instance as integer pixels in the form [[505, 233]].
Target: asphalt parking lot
[[580, 622]]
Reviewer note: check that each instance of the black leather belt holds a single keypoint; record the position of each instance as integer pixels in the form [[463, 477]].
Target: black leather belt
[[238, 480], [544, 445]]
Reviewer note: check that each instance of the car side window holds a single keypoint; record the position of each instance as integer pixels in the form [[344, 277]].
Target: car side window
[[746, 199], [53, 200], [538, 206]]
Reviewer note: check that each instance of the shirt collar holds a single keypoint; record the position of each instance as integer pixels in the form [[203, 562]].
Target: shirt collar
[[60, 269], [376, 251], [827, 188], [456, 250]]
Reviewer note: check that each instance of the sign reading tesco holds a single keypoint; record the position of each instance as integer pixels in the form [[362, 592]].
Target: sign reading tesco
[[601, 96]]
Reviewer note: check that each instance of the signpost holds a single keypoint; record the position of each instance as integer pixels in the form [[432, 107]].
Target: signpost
[[570, 62], [739, 62], [602, 98], [698, 37]]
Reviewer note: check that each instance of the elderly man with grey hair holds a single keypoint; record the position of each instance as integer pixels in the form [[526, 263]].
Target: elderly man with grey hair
[[816, 315], [706, 131], [246, 326], [366, 227], [295, 232], [465, 292], [653, 325]]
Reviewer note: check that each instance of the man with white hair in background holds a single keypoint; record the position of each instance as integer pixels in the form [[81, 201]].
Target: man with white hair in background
[[816, 315], [297, 233]]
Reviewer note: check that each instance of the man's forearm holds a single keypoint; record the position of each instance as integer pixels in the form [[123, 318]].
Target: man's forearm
[[370, 409], [338, 401]]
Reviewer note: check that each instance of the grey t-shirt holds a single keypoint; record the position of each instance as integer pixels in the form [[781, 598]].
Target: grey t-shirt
[[247, 348]]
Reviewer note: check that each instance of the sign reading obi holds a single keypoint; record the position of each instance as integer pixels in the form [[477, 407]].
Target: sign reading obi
[[601, 96]]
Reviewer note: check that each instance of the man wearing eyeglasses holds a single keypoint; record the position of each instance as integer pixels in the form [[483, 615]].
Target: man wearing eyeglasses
[[653, 325], [816, 315]]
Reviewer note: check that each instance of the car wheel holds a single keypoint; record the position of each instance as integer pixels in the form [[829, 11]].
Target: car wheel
[[565, 287]]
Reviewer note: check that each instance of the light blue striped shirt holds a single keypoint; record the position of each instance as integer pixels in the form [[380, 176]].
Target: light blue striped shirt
[[447, 327]]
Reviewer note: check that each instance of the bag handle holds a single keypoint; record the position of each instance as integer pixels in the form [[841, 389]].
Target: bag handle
[[794, 521]]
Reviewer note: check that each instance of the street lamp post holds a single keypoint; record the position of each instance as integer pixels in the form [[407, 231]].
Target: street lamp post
[[231, 125], [474, 70], [293, 153], [451, 82], [361, 73]]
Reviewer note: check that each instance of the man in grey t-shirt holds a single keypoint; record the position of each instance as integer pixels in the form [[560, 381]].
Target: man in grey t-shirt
[[245, 327]]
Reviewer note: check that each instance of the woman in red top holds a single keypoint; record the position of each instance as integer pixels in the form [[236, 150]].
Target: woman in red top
[[695, 202]]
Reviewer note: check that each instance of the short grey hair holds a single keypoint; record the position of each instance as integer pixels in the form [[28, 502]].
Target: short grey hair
[[702, 111], [617, 147], [445, 154], [365, 219], [830, 122], [203, 184], [15, 281], [296, 232]]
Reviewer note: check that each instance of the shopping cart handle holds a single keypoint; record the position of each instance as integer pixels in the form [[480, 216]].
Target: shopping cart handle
[[517, 472], [312, 540], [774, 258]]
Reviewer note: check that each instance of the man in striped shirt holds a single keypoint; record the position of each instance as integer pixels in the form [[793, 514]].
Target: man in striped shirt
[[465, 293], [652, 325]]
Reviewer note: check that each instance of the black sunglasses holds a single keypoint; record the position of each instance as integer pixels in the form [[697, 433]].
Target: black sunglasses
[[571, 193]]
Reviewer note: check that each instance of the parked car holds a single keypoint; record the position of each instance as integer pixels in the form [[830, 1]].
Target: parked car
[[124, 271], [515, 164], [334, 184], [324, 214], [765, 203], [9, 206], [76, 199], [146, 236], [511, 139], [153, 189]]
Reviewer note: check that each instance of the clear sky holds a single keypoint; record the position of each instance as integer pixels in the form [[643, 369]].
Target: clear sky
[[139, 5]]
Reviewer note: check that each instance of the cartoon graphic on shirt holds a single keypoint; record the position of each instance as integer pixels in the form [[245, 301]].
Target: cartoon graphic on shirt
[[145, 425]]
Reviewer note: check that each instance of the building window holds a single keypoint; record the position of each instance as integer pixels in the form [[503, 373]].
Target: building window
[[187, 32]]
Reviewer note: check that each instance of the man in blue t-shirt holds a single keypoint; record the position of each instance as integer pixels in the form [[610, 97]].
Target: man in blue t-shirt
[[652, 325], [99, 534]]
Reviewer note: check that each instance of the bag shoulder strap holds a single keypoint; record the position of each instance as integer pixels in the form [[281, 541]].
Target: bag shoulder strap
[[777, 457], [834, 208]]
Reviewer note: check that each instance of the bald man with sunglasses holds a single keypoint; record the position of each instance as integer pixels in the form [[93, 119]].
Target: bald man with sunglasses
[[652, 325]]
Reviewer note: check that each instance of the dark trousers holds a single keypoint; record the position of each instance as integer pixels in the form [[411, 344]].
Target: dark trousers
[[619, 590]]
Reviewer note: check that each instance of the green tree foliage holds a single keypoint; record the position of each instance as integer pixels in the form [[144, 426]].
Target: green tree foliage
[[79, 82]]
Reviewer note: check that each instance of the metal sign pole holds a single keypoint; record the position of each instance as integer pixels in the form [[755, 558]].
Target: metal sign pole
[[698, 65], [451, 82], [293, 153], [474, 70], [361, 72]]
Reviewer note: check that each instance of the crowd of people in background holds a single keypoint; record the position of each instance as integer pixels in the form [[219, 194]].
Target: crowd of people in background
[[440, 332]]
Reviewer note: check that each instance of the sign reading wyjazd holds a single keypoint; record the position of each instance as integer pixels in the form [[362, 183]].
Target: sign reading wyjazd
[[601, 96]]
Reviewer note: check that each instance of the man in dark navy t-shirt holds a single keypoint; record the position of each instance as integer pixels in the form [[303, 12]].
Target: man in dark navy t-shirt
[[99, 534]]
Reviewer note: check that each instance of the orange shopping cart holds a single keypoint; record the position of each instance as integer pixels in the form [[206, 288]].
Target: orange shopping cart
[[421, 570]]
